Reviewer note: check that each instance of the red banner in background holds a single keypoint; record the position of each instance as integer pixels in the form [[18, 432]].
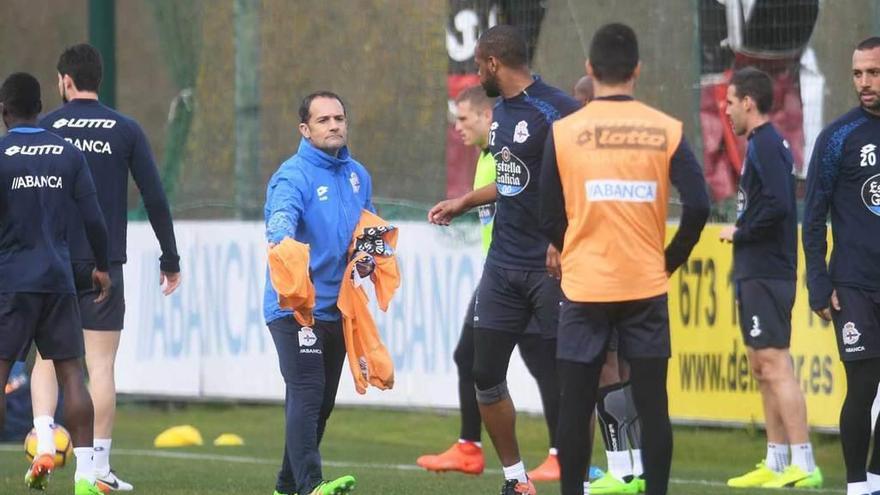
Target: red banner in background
[[770, 35]]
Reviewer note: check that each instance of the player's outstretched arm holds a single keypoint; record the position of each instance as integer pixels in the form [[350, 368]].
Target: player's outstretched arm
[[686, 175], [443, 212]]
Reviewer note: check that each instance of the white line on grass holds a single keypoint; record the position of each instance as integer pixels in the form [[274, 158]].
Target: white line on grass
[[168, 454]]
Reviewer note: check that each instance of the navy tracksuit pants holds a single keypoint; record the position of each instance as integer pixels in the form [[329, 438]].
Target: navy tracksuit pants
[[311, 362]]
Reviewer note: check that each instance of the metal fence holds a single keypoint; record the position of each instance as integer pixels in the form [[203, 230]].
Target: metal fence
[[217, 84]]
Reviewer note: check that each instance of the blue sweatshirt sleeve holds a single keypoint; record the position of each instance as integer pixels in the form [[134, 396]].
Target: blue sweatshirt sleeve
[[284, 207], [820, 184], [774, 177], [686, 175], [368, 201], [90, 211], [146, 177], [553, 222]]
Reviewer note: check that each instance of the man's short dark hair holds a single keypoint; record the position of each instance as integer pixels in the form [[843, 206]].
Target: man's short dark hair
[[755, 84], [83, 64], [20, 94], [507, 44], [306, 104], [476, 96], [614, 53], [869, 43]]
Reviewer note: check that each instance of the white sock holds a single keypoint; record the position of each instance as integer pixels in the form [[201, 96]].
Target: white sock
[[860, 488], [102, 456], [516, 472], [553, 451], [619, 464], [586, 488], [802, 456], [638, 470], [777, 457], [874, 481], [460, 440], [45, 435], [85, 464]]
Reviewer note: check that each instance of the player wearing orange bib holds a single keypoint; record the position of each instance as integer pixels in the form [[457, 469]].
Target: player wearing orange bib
[[604, 193]]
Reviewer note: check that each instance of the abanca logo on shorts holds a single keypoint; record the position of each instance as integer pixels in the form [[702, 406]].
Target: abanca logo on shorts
[[84, 123]]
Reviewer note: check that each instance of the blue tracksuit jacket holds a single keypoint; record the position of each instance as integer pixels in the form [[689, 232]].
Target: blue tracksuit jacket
[[316, 199]]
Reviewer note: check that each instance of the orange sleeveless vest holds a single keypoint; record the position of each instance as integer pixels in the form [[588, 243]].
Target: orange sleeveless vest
[[613, 159]]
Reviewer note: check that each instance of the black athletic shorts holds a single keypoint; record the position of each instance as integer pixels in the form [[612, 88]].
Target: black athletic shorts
[[532, 329], [585, 329], [857, 324], [50, 320], [108, 315], [764, 307], [507, 300], [613, 341]]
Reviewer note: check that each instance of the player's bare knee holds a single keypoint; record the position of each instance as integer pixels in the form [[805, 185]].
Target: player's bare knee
[[757, 366], [493, 395], [100, 367]]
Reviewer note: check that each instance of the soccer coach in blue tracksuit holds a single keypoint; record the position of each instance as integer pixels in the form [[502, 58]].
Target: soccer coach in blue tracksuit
[[315, 197]]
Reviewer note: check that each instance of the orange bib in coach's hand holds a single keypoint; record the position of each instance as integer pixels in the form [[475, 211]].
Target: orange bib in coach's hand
[[368, 358], [289, 273], [614, 159]]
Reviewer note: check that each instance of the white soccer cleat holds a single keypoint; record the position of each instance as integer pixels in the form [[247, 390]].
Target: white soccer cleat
[[111, 483]]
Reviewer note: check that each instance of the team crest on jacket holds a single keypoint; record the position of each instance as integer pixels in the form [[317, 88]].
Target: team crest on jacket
[[355, 182], [521, 133]]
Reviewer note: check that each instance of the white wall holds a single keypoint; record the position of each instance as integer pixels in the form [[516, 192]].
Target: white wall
[[209, 338]]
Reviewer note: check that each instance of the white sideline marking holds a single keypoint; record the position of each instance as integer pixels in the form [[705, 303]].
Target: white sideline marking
[[167, 454]]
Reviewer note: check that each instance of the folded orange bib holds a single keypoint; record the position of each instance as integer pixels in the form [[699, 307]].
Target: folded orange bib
[[289, 274], [370, 363]]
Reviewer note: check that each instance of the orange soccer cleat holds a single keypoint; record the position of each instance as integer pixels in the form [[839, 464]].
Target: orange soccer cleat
[[547, 471], [465, 457], [37, 476]]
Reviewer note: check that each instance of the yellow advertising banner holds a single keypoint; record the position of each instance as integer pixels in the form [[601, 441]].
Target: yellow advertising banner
[[709, 376]]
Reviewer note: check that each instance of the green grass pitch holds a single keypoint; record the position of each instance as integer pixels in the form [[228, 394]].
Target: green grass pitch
[[379, 447]]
